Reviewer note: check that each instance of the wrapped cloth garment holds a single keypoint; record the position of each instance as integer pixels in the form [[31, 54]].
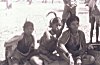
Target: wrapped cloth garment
[[64, 39], [48, 44], [15, 53]]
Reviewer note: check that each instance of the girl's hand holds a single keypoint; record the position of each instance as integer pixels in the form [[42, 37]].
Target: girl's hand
[[69, 54], [71, 59]]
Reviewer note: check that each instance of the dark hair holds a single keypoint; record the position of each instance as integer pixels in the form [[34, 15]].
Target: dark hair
[[71, 19], [28, 23], [54, 20]]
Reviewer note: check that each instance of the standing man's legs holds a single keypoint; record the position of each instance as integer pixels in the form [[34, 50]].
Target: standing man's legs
[[30, 1], [65, 14], [97, 32], [44, 1], [52, 1], [9, 4], [73, 11], [92, 22], [97, 19]]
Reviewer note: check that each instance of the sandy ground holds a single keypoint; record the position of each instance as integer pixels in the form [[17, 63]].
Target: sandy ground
[[12, 20]]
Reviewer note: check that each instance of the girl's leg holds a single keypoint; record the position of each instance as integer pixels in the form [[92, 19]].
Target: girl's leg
[[33, 60]]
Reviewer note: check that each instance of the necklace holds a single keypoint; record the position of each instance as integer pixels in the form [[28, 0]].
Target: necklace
[[75, 38], [75, 34]]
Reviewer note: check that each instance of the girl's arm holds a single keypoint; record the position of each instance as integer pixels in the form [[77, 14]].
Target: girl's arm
[[62, 46]]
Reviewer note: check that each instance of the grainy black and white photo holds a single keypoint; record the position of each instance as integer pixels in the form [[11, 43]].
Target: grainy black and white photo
[[49, 32]]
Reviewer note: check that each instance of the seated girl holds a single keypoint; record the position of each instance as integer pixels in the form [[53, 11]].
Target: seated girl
[[20, 48], [73, 40], [48, 42]]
